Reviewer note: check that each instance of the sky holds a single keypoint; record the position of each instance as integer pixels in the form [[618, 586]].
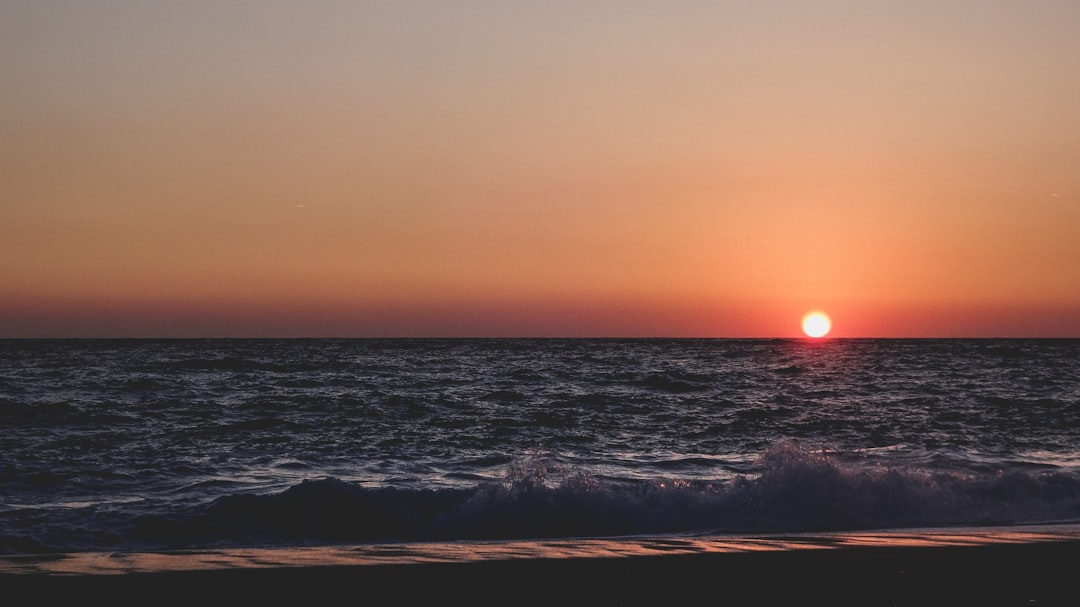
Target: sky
[[223, 168]]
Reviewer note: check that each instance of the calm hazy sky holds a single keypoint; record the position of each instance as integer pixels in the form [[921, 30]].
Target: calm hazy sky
[[603, 168]]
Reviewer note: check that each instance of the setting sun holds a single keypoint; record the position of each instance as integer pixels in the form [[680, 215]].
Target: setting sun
[[816, 324]]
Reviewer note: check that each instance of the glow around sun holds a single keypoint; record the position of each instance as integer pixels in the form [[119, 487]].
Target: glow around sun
[[816, 324]]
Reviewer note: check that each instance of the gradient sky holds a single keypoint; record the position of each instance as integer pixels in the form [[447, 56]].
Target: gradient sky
[[500, 168]]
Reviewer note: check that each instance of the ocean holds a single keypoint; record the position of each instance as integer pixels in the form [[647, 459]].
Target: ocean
[[144, 445]]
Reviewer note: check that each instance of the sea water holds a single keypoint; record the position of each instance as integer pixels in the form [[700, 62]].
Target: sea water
[[166, 444]]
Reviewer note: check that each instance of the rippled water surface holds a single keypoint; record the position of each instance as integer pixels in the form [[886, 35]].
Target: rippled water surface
[[117, 443]]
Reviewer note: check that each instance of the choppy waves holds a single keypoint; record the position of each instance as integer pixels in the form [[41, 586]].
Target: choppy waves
[[114, 444]]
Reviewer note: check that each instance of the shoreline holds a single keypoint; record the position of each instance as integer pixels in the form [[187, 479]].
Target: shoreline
[[1028, 564]]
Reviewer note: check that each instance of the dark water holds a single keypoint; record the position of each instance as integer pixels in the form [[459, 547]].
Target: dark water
[[147, 444]]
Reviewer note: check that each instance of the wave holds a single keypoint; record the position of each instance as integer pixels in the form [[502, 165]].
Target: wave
[[791, 489], [794, 489]]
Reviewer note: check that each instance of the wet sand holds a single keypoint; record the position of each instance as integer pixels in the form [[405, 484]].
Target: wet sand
[[1029, 565]]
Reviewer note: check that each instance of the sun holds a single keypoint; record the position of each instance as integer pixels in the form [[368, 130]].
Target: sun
[[816, 324]]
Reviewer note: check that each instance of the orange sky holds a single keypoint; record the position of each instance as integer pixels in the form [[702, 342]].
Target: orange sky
[[603, 168]]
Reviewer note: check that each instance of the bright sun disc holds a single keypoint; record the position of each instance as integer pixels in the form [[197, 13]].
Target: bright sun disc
[[816, 324]]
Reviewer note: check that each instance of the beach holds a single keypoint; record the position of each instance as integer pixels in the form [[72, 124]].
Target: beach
[[1022, 565]]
